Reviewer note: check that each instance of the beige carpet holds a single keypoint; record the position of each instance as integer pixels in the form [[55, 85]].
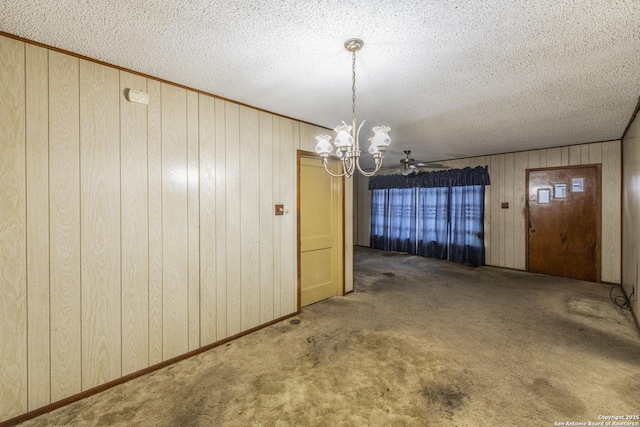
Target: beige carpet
[[420, 343]]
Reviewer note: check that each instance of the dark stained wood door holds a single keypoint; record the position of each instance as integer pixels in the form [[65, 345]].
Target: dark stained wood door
[[564, 222]]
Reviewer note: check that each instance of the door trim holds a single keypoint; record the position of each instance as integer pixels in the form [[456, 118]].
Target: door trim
[[310, 154], [598, 167]]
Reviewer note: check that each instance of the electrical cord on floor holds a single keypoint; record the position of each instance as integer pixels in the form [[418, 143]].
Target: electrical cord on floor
[[623, 301]]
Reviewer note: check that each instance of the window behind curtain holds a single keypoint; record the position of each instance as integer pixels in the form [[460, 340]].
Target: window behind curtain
[[379, 237], [433, 220], [438, 222], [402, 220], [467, 224], [435, 214]]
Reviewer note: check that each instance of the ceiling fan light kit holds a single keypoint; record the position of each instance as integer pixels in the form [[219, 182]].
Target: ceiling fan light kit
[[347, 145]]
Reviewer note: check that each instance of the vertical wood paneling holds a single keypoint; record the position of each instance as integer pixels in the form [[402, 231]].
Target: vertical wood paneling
[[13, 231], [100, 223], [631, 208], [455, 163], [496, 219], [208, 303], [584, 154], [520, 162], [288, 243], [356, 208], [565, 160], [554, 157], [193, 219], [277, 223], [533, 159], [267, 216], [64, 223], [154, 172], [364, 211], [233, 249], [595, 153], [486, 161], [306, 140], [175, 301], [543, 158], [134, 216], [65, 258], [37, 157], [221, 219], [611, 153], [367, 209], [250, 219], [574, 155], [296, 136], [508, 178]]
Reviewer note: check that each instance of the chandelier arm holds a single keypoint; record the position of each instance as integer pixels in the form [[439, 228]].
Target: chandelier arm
[[378, 166], [349, 166], [333, 174]]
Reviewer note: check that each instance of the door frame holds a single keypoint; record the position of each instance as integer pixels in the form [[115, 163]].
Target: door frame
[[310, 154], [598, 168]]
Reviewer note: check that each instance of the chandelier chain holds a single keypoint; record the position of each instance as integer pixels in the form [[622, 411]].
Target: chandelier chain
[[353, 87]]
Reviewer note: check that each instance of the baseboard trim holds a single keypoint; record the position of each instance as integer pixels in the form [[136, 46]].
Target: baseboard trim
[[99, 389]]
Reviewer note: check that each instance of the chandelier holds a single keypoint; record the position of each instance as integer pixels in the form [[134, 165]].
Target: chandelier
[[347, 137]]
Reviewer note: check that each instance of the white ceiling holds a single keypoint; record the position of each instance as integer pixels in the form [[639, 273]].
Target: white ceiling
[[451, 78]]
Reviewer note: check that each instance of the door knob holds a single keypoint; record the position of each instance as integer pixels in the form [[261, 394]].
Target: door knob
[[532, 230]]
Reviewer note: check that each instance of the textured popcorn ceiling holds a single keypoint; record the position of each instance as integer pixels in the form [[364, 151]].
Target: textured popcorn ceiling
[[450, 78]]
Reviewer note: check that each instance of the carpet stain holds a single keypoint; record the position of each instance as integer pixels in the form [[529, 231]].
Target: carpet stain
[[446, 397], [559, 399]]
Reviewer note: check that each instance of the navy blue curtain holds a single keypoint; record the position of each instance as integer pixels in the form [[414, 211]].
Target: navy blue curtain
[[433, 222], [446, 178], [434, 214], [379, 238], [402, 220], [467, 224]]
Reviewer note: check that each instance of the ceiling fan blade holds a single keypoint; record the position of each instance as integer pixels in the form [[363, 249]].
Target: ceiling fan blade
[[430, 165]]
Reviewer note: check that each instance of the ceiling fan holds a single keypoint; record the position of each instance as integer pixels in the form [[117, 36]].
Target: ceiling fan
[[411, 166]]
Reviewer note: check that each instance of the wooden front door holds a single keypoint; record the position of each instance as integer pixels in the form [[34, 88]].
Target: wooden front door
[[321, 233], [564, 222]]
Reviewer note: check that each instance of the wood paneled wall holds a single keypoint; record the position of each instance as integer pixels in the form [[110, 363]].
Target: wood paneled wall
[[132, 234], [362, 206], [631, 213], [505, 229]]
